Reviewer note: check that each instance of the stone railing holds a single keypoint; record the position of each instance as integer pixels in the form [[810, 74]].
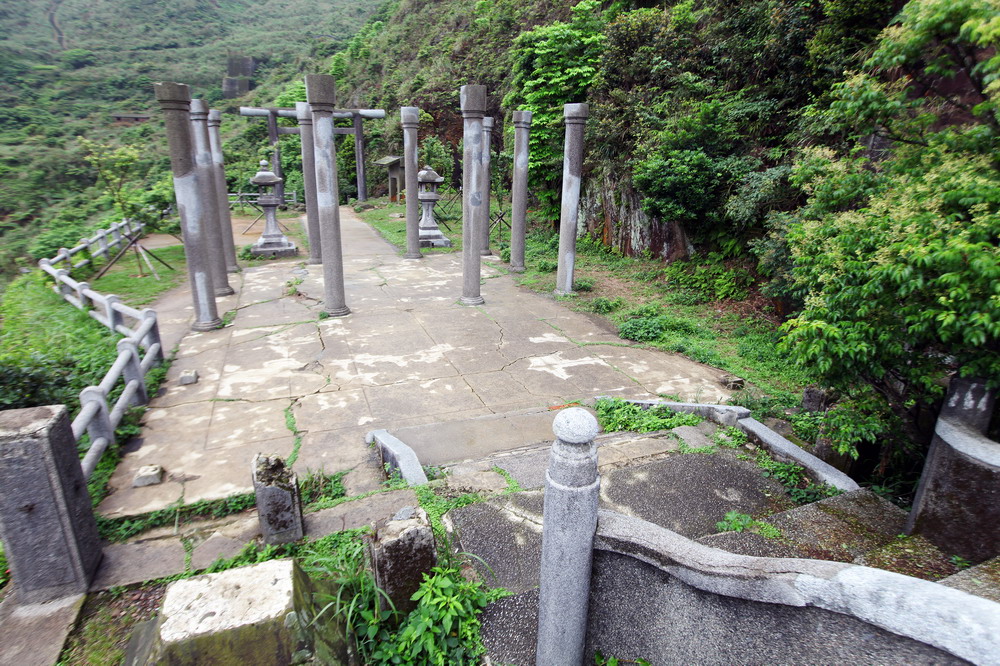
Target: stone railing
[[138, 351], [235, 198], [101, 245]]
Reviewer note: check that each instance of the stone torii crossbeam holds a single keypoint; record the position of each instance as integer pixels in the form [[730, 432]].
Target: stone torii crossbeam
[[356, 115]]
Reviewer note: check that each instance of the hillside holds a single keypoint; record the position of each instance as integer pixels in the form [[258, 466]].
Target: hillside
[[67, 65]]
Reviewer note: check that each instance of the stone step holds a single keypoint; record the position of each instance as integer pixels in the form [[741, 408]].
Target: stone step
[[983, 580], [841, 528], [686, 493]]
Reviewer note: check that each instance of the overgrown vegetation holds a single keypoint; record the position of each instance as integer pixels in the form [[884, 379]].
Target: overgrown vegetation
[[615, 414]]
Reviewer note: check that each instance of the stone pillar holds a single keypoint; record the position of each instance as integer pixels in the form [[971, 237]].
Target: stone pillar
[[207, 192], [519, 190], [304, 116], [279, 506], [175, 100], [222, 190], [575, 116], [46, 520], [484, 212], [410, 117], [402, 551], [569, 521], [473, 101], [957, 505], [359, 158], [321, 93]]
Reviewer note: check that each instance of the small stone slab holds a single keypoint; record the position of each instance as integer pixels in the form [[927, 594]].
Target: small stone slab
[[128, 563], [214, 548], [233, 617], [147, 475], [188, 377], [982, 580], [693, 437]]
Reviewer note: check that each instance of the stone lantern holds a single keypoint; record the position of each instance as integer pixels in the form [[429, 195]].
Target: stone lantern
[[272, 242], [427, 184]]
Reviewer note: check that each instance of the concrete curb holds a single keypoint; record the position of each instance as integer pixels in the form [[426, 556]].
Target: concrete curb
[[730, 415], [951, 620], [398, 456]]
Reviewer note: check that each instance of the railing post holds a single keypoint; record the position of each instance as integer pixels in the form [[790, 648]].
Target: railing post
[[116, 235], [153, 337], [85, 302], [61, 287], [114, 317], [85, 242], [569, 521], [100, 426], [133, 371], [102, 240]]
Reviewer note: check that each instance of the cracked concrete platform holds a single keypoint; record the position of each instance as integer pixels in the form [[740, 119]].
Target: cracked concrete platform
[[279, 379]]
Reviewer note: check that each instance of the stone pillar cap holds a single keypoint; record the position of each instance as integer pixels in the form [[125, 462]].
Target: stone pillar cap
[[576, 111], [409, 115], [168, 91], [522, 117], [488, 123], [321, 89], [575, 426], [473, 99]]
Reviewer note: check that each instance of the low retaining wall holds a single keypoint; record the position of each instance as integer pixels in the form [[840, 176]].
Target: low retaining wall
[[667, 599]]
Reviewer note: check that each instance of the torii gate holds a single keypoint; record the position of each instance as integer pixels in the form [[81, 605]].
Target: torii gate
[[356, 115]]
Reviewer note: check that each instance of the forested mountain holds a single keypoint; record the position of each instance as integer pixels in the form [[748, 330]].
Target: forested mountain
[[67, 65]]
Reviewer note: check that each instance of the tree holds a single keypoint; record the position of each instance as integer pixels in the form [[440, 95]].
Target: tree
[[898, 249]]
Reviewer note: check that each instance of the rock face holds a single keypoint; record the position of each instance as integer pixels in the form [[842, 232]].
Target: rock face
[[252, 615]]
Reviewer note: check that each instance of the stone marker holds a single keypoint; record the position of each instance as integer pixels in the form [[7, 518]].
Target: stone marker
[[410, 117], [147, 475], [569, 521], [46, 521], [484, 187], [209, 197], [304, 116], [575, 116], [175, 100], [222, 190], [402, 551], [321, 92], [473, 101], [279, 506], [519, 190]]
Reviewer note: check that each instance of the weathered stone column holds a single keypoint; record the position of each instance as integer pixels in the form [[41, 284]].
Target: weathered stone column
[[957, 505], [484, 212], [569, 520], [207, 191], [410, 119], [175, 100], [321, 93], [473, 101], [304, 116], [279, 504], [359, 158], [222, 190], [46, 520], [575, 116], [519, 190]]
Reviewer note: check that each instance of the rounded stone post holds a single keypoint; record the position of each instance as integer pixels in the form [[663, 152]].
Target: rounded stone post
[[575, 116], [410, 119], [484, 212], [473, 101], [519, 190], [359, 158], [175, 101], [322, 95], [569, 521], [207, 191], [304, 116], [222, 190]]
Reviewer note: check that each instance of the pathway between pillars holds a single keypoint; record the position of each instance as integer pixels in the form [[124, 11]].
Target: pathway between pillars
[[278, 379]]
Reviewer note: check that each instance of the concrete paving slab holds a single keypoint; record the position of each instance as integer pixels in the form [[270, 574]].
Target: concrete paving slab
[[239, 422], [358, 513], [128, 563], [34, 634], [421, 398], [214, 548], [332, 411], [215, 477]]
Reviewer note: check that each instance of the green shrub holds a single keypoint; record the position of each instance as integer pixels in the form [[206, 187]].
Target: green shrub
[[615, 414], [602, 305]]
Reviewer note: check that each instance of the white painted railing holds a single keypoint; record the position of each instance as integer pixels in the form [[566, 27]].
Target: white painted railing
[[138, 351]]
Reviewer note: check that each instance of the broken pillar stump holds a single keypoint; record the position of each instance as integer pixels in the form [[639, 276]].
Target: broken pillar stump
[[402, 551], [279, 506]]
